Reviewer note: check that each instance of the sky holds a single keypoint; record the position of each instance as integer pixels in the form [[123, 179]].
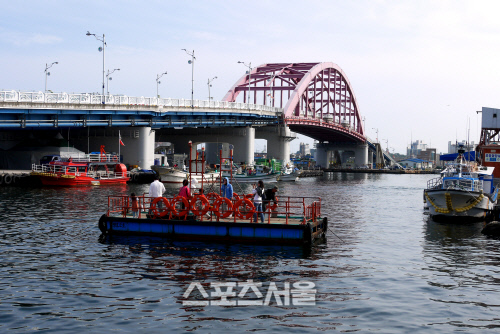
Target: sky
[[419, 69]]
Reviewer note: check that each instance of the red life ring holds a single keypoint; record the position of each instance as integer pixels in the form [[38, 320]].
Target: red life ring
[[236, 196], [181, 212], [205, 205], [217, 204], [275, 204], [247, 203], [154, 209], [212, 197]]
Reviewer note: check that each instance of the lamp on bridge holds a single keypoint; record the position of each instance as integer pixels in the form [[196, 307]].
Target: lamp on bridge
[[109, 78], [193, 58], [158, 76], [210, 85], [249, 77], [376, 130], [47, 73], [103, 40]]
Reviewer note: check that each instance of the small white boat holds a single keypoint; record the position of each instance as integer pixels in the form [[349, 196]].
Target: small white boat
[[251, 174], [288, 173], [176, 175], [464, 192]]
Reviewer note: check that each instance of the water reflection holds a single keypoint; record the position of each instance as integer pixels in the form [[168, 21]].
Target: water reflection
[[393, 271]]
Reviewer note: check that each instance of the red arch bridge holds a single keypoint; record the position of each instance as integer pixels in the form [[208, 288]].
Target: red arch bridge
[[313, 99]]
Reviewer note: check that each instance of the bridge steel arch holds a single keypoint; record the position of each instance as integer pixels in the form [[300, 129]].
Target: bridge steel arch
[[317, 98]]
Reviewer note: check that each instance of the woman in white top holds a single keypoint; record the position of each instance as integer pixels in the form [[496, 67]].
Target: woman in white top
[[258, 192]]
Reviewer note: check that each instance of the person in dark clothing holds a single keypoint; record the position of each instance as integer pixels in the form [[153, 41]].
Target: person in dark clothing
[[270, 195]]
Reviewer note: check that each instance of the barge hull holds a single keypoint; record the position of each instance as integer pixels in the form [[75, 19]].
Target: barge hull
[[230, 232]]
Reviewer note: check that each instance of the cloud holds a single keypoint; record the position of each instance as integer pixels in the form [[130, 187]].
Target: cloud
[[24, 39]]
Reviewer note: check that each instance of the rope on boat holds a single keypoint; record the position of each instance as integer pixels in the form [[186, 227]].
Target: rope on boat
[[449, 204]]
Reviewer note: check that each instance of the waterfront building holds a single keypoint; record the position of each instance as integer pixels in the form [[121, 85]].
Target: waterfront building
[[416, 163]]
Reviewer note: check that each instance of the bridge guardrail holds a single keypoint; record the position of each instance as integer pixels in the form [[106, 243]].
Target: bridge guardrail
[[86, 98]]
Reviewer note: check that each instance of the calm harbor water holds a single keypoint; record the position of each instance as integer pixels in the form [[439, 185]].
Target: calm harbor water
[[391, 271]]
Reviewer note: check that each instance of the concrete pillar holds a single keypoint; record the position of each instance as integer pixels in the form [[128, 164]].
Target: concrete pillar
[[244, 147], [139, 143], [361, 158], [243, 140], [321, 155], [278, 141], [212, 151]]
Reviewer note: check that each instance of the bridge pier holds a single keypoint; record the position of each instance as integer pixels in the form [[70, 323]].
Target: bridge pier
[[329, 154], [278, 141], [139, 143], [243, 139]]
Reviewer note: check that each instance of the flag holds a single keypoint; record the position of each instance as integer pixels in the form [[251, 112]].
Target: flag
[[120, 136]]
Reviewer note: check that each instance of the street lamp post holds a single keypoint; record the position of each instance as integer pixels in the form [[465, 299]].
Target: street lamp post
[[47, 73], [103, 40], [249, 77], [193, 58], [109, 78], [158, 76], [209, 84], [376, 130]]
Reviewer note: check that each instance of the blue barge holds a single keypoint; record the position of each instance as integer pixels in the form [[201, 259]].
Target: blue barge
[[296, 221]]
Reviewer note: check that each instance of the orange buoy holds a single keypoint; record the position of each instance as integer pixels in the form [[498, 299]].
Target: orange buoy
[[217, 207], [155, 210], [181, 212], [246, 204], [205, 205]]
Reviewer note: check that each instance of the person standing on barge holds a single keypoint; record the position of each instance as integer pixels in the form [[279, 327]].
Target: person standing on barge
[[258, 192], [270, 195], [226, 191], [156, 188]]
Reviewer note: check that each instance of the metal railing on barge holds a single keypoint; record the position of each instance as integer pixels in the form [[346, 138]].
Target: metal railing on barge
[[305, 209]]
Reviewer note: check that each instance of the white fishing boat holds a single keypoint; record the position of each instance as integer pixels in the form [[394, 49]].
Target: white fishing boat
[[251, 174], [177, 175], [463, 192], [288, 174]]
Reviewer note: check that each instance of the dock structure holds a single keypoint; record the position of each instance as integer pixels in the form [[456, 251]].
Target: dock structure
[[296, 221], [310, 172]]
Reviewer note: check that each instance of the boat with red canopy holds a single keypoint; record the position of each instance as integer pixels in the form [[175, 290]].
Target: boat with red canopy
[[90, 169]]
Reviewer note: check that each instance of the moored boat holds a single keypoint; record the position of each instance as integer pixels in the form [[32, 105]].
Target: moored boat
[[288, 173], [90, 169], [176, 175], [464, 192], [251, 174]]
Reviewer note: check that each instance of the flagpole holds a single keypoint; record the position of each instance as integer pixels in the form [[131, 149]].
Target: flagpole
[[119, 144]]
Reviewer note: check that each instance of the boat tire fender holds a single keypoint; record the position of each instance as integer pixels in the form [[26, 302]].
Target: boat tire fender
[[102, 224], [247, 214], [7, 179], [308, 234], [217, 207]]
